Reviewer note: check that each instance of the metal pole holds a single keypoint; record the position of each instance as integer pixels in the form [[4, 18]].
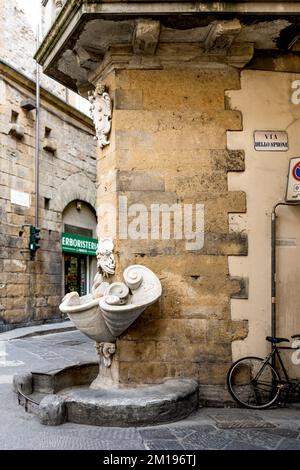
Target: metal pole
[[37, 136], [273, 263], [273, 271]]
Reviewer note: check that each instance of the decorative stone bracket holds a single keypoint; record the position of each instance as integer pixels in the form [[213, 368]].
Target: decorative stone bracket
[[146, 37], [221, 36], [50, 145], [221, 40], [17, 131], [105, 352]]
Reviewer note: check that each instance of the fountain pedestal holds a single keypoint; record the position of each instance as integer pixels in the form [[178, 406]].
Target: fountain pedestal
[[108, 376]]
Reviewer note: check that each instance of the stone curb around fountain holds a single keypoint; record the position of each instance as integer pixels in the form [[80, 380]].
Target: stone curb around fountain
[[60, 394], [172, 400]]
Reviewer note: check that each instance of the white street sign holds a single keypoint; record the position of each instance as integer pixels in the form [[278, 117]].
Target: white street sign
[[271, 141], [22, 199]]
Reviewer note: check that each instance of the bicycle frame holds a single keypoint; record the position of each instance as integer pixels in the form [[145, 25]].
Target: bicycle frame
[[259, 383], [275, 354]]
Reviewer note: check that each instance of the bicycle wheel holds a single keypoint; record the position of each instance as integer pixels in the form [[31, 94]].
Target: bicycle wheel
[[253, 383]]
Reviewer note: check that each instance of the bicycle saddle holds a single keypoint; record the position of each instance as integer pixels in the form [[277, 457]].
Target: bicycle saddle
[[273, 339]]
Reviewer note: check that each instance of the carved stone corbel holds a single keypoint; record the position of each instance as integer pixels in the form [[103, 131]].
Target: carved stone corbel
[[221, 36], [50, 144], [17, 131], [146, 37]]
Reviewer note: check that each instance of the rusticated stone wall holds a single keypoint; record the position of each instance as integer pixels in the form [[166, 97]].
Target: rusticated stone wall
[[31, 290], [168, 145]]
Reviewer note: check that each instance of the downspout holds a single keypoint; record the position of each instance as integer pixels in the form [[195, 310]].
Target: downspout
[[273, 271], [273, 264], [37, 137]]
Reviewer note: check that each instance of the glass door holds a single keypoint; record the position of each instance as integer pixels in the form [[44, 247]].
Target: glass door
[[75, 274]]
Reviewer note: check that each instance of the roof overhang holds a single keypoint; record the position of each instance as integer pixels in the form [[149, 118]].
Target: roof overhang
[[77, 43]]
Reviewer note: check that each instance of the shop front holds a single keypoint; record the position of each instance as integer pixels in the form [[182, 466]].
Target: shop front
[[79, 257]]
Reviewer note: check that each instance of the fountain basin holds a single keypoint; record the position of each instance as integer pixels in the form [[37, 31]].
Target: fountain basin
[[87, 317], [104, 319]]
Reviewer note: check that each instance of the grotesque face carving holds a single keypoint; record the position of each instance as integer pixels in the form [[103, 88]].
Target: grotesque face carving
[[105, 258]]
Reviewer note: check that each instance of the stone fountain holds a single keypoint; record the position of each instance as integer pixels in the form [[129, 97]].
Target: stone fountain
[[83, 394], [110, 309]]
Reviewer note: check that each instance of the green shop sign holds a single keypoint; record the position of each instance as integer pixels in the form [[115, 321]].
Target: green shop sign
[[72, 243]]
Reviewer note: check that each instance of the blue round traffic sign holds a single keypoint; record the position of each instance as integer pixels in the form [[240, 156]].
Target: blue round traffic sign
[[296, 171]]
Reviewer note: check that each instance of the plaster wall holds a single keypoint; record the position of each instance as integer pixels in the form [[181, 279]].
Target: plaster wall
[[265, 102]]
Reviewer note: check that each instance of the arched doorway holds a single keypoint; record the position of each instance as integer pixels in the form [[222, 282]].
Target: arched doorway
[[79, 245]]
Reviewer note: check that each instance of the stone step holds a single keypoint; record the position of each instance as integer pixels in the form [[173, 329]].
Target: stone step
[[52, 381]]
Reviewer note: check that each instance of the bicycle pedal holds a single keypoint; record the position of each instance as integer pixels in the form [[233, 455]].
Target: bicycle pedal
[[282, 404]]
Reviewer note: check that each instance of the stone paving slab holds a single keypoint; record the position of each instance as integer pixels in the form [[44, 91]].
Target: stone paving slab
[[157, 433], [255, 437], [37, 330], [54, 351], [289, 444], [284, 432], [207, 437], [238, 445], [157, 444]]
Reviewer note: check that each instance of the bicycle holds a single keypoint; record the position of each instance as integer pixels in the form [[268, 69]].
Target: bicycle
[[257, 383]]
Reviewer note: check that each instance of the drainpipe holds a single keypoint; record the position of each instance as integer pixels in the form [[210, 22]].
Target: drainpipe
[[273, 263], [273, 269], [37, 136]]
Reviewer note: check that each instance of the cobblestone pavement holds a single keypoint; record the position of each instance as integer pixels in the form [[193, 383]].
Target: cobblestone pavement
[[208, 428]]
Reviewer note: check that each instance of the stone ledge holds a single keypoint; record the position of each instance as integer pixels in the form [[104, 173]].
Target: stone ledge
[[51, 381], [173, 400]]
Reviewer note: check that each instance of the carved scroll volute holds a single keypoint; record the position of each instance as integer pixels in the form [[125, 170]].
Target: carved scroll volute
[[101, 109], [106, 352], [58, 6]]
